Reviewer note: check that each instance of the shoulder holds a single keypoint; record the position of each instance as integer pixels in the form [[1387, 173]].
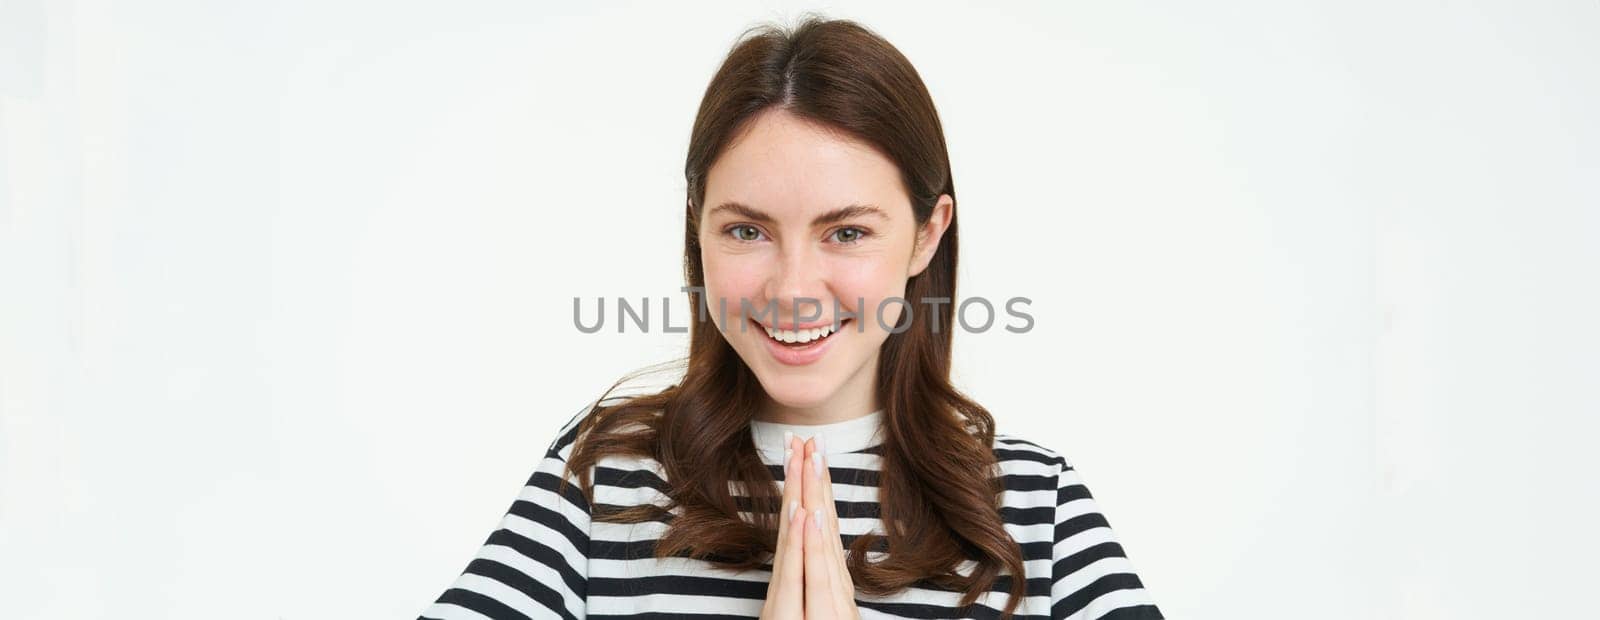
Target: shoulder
[[611, 466], [566, 436], [570, 433], [1015, 453], [1056, 517]]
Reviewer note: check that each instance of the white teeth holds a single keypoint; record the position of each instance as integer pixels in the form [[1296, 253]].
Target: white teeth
[[804, 335]]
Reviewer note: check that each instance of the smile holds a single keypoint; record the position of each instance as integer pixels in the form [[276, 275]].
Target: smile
[[798, 347], [802, 336]]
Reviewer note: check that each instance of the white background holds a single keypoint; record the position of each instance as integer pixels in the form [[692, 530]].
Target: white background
[[286, 307]]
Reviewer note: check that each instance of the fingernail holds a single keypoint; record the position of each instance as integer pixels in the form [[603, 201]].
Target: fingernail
[[816, 517], [816, 462], [794, 506], [819, 442], [788, 455], [788, 439]]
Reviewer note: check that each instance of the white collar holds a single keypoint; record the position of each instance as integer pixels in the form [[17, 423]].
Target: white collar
[[840, 437]]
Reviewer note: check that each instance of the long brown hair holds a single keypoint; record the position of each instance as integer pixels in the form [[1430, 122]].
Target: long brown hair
[[943, 510]]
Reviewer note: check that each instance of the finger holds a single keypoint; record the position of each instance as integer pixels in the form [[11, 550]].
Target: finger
[[788, 569], [825, 479], [824, 488], [819, 595], [819, 493], [839, 572], [791, 492], [789, 573], [816, 465]]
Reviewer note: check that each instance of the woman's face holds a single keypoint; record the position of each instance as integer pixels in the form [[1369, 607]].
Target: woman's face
[[794, 213]]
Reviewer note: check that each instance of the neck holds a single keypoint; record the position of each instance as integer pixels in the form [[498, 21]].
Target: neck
[[856, 398], [811, 416]]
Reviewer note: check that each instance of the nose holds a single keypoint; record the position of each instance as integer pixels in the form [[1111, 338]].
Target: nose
[[798, 285]]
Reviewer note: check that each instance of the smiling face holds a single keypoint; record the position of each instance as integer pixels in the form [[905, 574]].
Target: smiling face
[[793, 211]]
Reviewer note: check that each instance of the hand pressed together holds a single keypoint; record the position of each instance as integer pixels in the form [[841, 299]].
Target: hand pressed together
[[809, 577]]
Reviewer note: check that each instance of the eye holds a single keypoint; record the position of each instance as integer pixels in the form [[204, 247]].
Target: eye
[[745, 232], [849, 234]]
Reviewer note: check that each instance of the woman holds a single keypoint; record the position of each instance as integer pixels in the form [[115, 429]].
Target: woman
[[819, 190]]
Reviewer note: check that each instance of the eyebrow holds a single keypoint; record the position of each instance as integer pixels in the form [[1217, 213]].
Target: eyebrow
[[836, 215]]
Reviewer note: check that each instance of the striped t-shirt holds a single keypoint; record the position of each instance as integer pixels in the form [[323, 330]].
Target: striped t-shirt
[[547, 559]]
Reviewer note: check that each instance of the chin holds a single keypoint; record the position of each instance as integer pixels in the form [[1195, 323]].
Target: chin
[[797, 392]]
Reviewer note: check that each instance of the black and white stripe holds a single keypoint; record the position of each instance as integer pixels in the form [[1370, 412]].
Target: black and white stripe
[[548, 560]]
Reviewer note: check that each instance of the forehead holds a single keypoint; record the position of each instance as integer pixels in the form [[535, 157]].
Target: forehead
[[787, 166]]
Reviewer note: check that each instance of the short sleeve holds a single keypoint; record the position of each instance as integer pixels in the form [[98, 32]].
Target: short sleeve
[[1092, 578], [535, 564]]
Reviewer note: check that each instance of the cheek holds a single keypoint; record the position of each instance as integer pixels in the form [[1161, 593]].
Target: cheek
[[871, 282], [731, 278]]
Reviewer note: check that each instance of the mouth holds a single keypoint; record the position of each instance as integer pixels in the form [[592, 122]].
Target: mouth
[[796, 347]]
